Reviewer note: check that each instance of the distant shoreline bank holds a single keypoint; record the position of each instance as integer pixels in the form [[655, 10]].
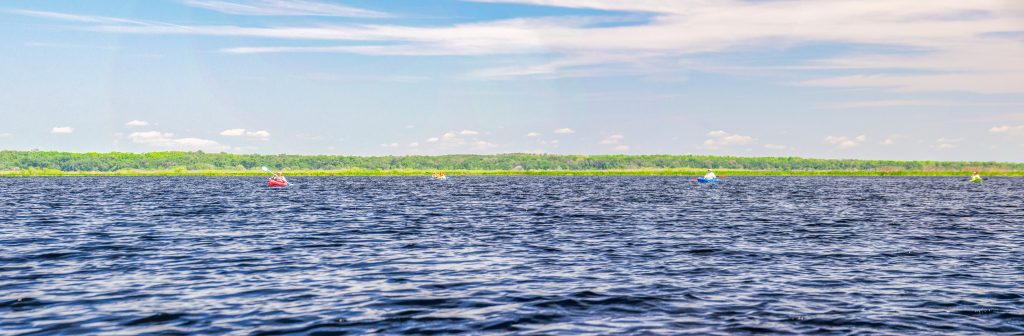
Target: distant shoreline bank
[[22, 163], [690, 172]]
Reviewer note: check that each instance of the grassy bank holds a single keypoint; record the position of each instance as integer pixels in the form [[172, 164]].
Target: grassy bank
[[33, 172], [504, 163], [21, 163]]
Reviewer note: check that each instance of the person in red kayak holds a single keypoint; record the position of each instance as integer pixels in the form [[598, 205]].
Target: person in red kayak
[[279, 177]]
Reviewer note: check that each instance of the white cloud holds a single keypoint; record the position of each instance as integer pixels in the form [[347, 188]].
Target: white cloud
[[136, 123], [532, 135], [481, 145], [719, 139], [261, 135], [945, 143], [940, 46], [845, 141], [79, 18], [893, 139], [612, 139], [775, 146], [414, 144], [466, 140], [564, 131], [167, 141], [1007, 129], [233, 132], [6, 135], [282, 8], [390, 145], [237, 132], [62, 130], [888, 103], [620, 148]]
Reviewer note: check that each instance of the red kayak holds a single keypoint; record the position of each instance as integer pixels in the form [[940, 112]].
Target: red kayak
[[273, 183]]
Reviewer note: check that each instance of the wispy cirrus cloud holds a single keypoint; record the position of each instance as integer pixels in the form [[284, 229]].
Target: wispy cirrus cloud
[[938, 46], [885, 103], [283, 8], [80, 18]]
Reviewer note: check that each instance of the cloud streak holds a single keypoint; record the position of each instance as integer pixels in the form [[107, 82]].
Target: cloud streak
[[283, 8], [939, 46]]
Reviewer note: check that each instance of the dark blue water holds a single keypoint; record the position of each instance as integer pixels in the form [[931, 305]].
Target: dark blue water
[[533, 255]]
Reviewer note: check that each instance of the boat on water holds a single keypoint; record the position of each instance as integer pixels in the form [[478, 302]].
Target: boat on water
[[276, 183], [705, 180]]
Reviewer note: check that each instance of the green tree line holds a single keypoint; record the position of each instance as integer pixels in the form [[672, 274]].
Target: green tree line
[[109, 162]]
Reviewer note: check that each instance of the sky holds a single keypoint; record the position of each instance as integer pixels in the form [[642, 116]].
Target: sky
[[865, 79]]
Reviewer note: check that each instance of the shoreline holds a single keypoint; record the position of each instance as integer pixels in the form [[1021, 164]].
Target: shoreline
[[685, 172]]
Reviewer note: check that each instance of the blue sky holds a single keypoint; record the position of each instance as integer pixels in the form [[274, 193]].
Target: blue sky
[[893, 79]]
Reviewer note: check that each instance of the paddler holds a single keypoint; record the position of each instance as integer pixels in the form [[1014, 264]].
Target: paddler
[[710, 175], [279, 177], [975, 177]]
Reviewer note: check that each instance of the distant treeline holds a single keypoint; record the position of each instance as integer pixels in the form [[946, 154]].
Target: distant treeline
[[109, 162]]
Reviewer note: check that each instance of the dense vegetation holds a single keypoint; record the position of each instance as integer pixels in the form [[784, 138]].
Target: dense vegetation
[[180, 162]]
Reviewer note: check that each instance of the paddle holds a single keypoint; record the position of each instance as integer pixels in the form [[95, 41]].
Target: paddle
[[272, 174]]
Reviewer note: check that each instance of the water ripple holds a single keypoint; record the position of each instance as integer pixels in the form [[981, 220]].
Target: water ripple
[[521, 255]]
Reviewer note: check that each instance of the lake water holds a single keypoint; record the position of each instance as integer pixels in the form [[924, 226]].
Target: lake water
[[532, 255]]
